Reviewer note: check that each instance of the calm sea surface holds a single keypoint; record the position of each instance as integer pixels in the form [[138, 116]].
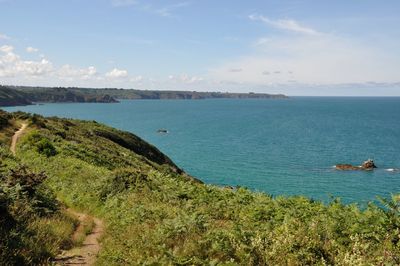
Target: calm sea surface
[[278, 146]]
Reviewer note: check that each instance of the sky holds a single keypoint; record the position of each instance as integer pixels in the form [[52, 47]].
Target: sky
[[297, 47]]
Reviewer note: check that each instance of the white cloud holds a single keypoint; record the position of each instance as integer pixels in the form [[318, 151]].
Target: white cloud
[[163, 11], [16, 70], [311, 59], [117, 73], [185, 79], [168, 10], [12, 65], [6, 48], [137, 79], [71, 73], [31, 49], [4, 37], [34, 68], [121, 3], [285, 24]]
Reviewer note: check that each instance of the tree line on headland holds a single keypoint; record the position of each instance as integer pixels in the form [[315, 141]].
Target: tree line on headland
[[22, 95]]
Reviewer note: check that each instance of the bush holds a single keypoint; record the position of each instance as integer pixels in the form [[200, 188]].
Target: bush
[[32, 229], [4, 117], [121, 180], [42, 144]]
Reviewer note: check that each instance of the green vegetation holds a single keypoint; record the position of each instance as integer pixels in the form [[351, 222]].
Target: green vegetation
[[18, 95], [157, 94], [10, 96], [42, 144], [157, 215], [14, 95], [32, 227]]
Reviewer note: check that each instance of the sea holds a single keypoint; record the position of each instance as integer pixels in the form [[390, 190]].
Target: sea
[[277, 146]]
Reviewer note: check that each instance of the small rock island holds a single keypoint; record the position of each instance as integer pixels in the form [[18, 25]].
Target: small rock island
[[162, 131], [368, 165]]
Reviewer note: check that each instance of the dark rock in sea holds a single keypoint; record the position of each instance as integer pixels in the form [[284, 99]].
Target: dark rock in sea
[[163, 131], [368, 165]]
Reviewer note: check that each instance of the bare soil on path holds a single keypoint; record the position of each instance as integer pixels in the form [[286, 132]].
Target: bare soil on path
[[87, 253], [16, 136], [82, 255]]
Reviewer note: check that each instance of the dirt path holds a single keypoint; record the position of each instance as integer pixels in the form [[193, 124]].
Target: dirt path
[[85, 254], [16, 136]]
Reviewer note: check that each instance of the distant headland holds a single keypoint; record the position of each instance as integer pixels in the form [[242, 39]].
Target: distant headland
[[24, 95]]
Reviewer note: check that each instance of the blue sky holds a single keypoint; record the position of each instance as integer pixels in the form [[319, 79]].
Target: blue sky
[[303, 47]]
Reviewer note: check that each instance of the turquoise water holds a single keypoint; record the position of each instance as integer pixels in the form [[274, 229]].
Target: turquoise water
[[277, 146]]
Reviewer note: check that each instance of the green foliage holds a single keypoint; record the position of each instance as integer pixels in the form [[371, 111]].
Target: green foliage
[[120, 181], [32, 228], [157, 216], [135, 144], [14, 95], [19, 95], [4, 117], [9, 97], [45, 147], [37, 121], [42, 144]]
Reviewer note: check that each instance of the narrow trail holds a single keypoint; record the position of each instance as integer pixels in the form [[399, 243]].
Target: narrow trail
[[87, 253], [16, 136], [82, 255]]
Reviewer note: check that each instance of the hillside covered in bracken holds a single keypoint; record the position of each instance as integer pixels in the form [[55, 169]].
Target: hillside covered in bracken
[[154, 213]]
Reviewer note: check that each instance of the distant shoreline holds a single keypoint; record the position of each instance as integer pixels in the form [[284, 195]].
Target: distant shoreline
[[24, 95]]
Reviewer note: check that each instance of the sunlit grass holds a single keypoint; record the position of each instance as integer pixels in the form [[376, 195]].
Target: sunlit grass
[[155, 216]]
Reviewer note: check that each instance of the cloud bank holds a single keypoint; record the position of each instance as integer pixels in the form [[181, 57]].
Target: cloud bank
[[304, 57]]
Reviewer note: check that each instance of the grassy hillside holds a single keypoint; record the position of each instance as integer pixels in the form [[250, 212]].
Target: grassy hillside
[[155, 214], [33, 225]]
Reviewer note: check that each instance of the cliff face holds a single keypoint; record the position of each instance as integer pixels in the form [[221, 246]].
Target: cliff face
[[11, 97]]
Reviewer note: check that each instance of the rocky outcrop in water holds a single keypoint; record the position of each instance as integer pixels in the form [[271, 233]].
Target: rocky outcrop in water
[[368, 165]]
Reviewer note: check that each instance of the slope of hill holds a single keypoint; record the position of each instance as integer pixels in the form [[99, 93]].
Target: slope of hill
[[12, 97], [155, 214]]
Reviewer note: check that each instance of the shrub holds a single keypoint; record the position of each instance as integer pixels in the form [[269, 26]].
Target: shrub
[[29, 214], [4, 117], [121, 180], [38, 121], [44, 146]]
